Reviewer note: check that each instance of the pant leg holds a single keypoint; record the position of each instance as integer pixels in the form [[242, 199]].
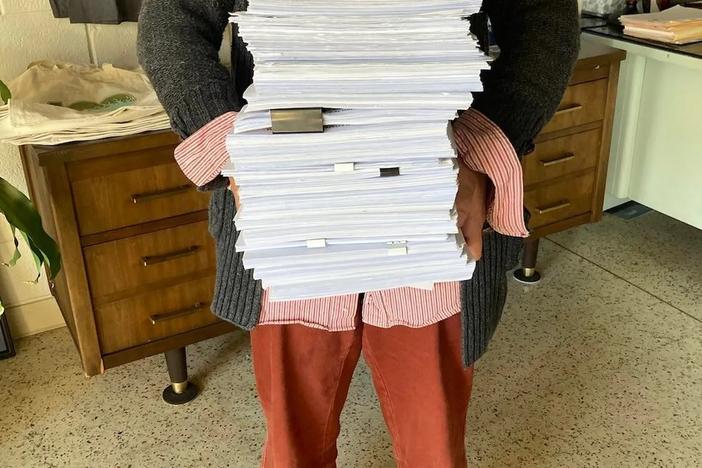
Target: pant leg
[[303, 376], [423, 389]]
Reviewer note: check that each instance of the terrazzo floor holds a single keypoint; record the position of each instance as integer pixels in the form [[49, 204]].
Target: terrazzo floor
[[599, 365]]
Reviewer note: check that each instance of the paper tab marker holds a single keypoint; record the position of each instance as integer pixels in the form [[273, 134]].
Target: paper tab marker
[[397, 248], [389, 171], [344, 167], [316, 243]]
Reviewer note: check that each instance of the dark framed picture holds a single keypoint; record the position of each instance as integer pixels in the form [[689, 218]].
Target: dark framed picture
[[7, 347]]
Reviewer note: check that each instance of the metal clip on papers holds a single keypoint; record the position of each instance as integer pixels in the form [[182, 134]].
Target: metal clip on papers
[[297, 120], [389, 171]]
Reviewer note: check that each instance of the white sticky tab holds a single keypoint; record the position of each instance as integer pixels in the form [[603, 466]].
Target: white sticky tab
[[344, 167], [397, 248], [316, 243]]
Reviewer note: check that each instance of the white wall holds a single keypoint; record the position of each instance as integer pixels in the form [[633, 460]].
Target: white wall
[[29, 32]]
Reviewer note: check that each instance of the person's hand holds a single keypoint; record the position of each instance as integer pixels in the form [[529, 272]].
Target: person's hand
[[471, 205], [235, 191]]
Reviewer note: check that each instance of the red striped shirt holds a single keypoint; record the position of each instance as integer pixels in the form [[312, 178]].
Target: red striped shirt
[[410, 307], [484, 148]]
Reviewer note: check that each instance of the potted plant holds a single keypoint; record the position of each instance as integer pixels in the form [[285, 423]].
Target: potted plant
[[24, 220]]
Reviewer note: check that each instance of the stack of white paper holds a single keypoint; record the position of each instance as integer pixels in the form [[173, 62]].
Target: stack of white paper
[[369, 203]]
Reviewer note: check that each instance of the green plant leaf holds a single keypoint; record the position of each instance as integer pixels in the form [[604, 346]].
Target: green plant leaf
[[17, 254], [5, 93], [38, 257], [21, 213]]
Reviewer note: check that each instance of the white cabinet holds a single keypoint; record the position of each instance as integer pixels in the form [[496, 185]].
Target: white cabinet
[[656, 155]]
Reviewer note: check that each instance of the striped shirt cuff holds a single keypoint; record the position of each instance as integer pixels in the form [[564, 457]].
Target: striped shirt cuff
[[486, 149], [203, 154]]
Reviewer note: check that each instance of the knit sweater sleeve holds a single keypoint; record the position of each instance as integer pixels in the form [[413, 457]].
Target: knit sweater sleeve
[[539, 42], [178, 47]]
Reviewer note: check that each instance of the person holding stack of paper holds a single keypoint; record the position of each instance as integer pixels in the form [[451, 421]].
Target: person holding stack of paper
[[357, 232]]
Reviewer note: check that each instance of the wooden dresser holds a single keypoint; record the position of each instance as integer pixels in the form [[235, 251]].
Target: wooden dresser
[[138, 261], [565, 174]]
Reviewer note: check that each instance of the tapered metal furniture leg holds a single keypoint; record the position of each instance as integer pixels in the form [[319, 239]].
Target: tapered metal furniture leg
[[527, 274], [180, 390]]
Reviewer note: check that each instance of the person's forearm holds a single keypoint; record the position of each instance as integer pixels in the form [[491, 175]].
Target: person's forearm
[[539, 43], [178, 47]]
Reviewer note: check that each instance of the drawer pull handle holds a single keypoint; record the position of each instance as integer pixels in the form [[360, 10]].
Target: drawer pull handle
[[556, 207], [153, 259], [569, 109], [148, 196], [159, 318], [552, 162]]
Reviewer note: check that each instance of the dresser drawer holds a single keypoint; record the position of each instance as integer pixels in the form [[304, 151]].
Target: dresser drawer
[[148, 260], [582, 103], [119, 199], [560, 200], [562, 156], [155, 315], [589, 71]]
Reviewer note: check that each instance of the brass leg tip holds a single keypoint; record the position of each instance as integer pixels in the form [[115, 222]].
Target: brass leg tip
[[527, 275], [178, 393], [179, 387]]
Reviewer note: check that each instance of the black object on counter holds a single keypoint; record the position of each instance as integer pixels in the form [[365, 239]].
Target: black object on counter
[[7, 347], [631, 8], [91, 11]]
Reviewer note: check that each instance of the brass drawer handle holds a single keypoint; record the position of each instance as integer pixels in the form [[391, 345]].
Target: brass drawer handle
[[153, 259], [568, 110], [556, 207], [148, 196], [552, 162], [159, 318]]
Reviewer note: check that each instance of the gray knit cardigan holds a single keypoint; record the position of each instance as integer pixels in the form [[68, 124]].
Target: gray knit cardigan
[[178, 46]]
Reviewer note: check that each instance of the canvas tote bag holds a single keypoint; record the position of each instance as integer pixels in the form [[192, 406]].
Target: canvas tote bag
[[55, 102]]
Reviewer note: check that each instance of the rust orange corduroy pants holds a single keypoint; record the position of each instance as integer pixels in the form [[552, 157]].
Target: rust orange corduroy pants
[[303, 376]]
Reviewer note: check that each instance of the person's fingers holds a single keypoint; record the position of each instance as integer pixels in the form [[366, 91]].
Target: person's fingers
[[235, 191], [472, 230], [237, 203], [461, 212], [471, 209]]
